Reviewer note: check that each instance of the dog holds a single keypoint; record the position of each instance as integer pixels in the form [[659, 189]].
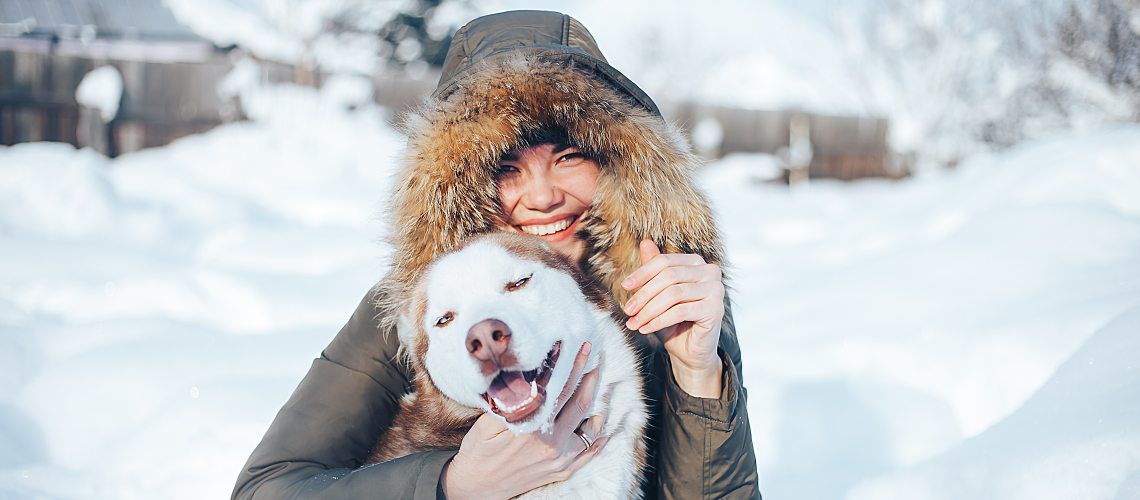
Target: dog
[[494, 327]]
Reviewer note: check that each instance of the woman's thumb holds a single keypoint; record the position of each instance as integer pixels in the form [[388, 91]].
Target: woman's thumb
[[648, 250]]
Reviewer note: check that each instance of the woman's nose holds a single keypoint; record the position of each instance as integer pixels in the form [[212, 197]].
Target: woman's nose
[[542, 194]]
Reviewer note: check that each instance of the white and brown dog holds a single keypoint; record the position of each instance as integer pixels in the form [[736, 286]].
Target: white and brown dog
[[495, 326]]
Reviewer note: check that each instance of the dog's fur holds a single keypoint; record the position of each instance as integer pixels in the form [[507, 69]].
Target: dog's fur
[[557, 303]]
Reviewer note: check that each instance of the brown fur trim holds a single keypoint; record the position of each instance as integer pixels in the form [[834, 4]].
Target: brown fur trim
[[446, 191]]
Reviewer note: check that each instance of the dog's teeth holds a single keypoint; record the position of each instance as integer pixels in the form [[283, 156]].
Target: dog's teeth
[[508, 409]]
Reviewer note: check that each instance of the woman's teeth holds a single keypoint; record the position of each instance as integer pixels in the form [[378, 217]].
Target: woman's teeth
[[545, 229]]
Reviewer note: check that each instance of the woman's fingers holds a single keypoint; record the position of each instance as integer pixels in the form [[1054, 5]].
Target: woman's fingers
[[575, 372], [676, 314], [668, 276], [653, 261], [568, 468], [586, 454], [680, 293], [591, 429], [577, 408]]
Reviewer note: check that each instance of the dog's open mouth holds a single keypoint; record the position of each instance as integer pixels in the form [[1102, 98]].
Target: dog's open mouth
[[516, 395]]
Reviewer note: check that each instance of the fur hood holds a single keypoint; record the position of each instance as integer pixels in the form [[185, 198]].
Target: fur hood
[[446, 191]]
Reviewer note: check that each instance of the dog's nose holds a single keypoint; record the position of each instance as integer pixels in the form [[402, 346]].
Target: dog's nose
[[488, 340]]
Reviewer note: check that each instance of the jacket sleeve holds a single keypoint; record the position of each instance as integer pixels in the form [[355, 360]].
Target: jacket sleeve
[[705, 445], [315, 445]]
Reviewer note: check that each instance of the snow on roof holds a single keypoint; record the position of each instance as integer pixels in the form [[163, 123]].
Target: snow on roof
[[110, 19]]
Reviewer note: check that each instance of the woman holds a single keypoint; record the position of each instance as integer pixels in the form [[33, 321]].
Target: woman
[[530, 130]]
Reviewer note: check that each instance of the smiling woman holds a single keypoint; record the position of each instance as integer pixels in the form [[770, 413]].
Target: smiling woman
[[531, 131], [546, 190]]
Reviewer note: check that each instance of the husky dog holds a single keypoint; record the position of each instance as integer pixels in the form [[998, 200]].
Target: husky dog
[[495, 327]]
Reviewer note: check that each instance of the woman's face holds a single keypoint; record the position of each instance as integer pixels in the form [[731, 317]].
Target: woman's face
[[545, 191]]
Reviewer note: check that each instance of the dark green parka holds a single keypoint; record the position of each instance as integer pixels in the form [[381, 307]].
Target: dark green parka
[[507, 76]]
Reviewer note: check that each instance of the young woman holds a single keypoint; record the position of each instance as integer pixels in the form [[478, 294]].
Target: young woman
[[530, 130]]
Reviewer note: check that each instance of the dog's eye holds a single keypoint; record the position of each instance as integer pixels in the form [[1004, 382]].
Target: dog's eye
[[515, 285], [444, 320]]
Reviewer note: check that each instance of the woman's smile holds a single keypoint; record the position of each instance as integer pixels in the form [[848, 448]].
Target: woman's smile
[[551, 229]]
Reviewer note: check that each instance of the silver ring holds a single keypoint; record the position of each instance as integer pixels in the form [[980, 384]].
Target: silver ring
[[585, 441]]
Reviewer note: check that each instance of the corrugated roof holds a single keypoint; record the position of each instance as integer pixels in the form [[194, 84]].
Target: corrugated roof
[[110, 18]]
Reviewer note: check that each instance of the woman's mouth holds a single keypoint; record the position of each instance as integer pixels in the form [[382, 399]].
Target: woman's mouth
[[551, 231]]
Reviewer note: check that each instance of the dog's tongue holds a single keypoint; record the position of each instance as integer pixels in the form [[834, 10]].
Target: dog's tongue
[[510, 388]]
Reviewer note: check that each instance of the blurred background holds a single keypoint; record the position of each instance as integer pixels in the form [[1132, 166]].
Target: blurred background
[[931, 209]]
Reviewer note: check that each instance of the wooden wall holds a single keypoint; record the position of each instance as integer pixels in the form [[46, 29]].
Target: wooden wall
[[161, 101], [842, 147]]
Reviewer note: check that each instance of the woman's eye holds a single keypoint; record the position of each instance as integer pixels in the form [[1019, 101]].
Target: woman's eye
[[571, 157], [444, 320], [519, 283], [505, 170]]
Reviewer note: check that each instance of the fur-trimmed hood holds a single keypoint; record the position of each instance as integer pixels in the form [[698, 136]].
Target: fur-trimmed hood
[[446, 189]]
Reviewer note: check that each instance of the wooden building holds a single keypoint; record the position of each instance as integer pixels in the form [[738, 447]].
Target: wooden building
[[47, 47], [837, 147]]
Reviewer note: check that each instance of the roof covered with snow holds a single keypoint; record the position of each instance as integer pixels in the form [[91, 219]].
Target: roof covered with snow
[[137, 19]]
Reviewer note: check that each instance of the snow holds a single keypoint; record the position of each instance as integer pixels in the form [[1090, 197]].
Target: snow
[[965, 333], [248, 24], [1078, 436], [953, 78], [101, 89], [884, 323], [290, 31], [158, 308]]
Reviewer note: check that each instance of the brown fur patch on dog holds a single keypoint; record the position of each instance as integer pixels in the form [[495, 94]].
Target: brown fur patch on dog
[[533, 249]]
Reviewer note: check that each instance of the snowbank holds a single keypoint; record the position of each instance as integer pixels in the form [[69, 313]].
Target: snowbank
[[156, 310], [1077, 437], [883, 323]]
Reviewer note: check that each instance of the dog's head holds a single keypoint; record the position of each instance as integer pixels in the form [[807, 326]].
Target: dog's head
[[497, 325]]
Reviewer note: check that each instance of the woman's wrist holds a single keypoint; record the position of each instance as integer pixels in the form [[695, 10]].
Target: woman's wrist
[[701, 382], [452, 482]]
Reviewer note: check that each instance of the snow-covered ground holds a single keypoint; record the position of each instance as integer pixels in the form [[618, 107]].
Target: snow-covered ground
[[155, 310], [884, 324], [963, 334], [970, 333]]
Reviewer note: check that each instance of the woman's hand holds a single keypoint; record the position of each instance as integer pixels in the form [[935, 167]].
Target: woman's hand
[[680, 297], [495, 463]]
